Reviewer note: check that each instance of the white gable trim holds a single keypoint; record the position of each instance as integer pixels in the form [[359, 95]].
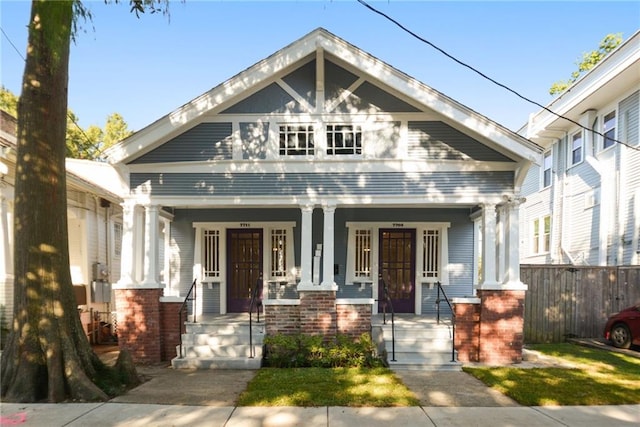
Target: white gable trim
[[319, 42]]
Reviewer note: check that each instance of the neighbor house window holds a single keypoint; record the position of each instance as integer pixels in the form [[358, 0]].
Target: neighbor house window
[[296, 140], [546, 169], [344, 139], [541, 242], [577, 148], [609, 130], [211, 252]]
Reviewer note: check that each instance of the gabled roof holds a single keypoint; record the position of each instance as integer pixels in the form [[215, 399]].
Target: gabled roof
[[616, 75], [320, 41]]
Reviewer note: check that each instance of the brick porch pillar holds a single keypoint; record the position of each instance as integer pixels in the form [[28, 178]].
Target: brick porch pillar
[[467, 342], [139, 323], [318, 315], [501, 326]]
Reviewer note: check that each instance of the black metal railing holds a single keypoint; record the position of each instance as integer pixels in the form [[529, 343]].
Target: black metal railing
[[453, 318], [256, 302], [192, 290], [387, 300]]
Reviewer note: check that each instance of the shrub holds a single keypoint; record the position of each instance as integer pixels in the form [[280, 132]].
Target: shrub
[[301, 351]]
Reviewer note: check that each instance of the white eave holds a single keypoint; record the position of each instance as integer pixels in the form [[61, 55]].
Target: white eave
[[322, 41], [609, 79]]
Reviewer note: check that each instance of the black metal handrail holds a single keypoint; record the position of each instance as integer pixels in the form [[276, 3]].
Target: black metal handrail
[[453, 319], [256, 303], [188, 298], [387, 300]]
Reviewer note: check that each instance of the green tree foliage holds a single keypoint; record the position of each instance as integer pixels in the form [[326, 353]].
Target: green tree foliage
[[8, 101], [588, 61], [115, 130], [87, 143]]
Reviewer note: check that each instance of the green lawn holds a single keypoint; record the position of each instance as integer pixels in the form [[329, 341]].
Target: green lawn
[[600, 378], [377, 387]]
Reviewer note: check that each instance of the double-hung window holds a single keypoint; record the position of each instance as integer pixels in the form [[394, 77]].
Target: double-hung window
[[296, 140], [541, 236], [344, 140], [547, 162], [609, 130], [577, 148]]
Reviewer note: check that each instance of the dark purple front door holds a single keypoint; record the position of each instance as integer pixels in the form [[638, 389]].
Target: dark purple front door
[[244, 249], [397, 267]]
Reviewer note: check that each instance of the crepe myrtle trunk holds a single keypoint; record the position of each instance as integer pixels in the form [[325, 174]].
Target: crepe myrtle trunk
[[47, 356]]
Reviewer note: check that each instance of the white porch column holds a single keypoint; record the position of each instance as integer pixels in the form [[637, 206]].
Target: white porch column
[[512, 242], [127, 259], [328, 237], [306, 249], [488, 245], [501, 240], [151, 246]]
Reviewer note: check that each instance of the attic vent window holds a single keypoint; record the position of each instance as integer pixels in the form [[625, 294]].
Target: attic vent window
[[296, 140], [344, 139]]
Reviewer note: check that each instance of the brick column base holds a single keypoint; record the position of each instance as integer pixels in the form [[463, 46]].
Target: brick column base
[[467, 341], [501, 326], [318, 313], [139, 323]]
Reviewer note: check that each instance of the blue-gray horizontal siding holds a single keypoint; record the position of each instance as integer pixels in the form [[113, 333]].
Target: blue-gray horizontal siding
[[271, 99], [437, 140], [368, 97], [328, 184], [254, 138], [303, 81], [629, 111], [206, 141]]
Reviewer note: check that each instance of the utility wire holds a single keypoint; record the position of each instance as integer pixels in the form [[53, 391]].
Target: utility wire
[[69, 115], [453, 58]]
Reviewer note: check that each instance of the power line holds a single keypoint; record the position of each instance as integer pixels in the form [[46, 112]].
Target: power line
[[453, 58], [69, 115]]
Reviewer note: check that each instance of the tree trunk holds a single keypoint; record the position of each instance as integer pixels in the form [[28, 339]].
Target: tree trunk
[[48, 356]]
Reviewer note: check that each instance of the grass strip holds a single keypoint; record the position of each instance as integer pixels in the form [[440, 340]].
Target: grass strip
[[599, 378], [308, 387]]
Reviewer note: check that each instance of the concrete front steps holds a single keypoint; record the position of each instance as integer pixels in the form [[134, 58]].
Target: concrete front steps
[[220, 342], [421, 344]]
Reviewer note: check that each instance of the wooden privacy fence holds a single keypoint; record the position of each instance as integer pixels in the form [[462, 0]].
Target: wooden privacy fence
[[565, 301]]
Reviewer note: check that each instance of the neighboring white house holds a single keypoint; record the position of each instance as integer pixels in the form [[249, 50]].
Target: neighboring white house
[[94, 220], [583, 201]]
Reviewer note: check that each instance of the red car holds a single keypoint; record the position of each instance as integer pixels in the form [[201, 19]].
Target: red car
[[623, 328]]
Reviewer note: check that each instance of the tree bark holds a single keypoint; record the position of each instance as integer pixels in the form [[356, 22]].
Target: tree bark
[[48, 356]]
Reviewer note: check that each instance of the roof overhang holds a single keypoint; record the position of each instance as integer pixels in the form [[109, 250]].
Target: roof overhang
[[319, 42]]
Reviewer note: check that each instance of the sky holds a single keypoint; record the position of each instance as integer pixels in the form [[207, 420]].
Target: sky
[[144, 68]]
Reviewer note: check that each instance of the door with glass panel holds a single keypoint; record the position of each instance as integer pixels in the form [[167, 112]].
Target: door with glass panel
[[397, 269], [244, 261]]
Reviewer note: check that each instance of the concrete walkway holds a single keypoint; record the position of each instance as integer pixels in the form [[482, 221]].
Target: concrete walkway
[[146, 415]]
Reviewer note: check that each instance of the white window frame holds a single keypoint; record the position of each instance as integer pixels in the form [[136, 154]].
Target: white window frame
[[579, 135], [352, 276], [286, 130], [116, 238], [355, 132], [539, 237], [547, 155], [289, 273], [604, 130]]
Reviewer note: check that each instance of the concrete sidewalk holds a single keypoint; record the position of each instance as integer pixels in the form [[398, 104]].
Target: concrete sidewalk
[[147, 415]]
